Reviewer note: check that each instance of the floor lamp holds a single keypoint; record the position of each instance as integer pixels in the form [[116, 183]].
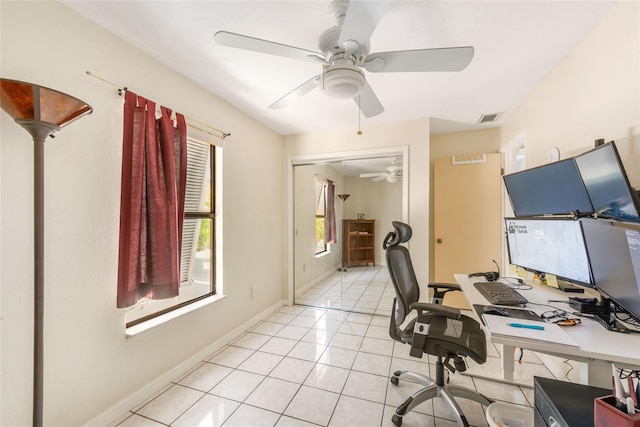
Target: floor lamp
[[41, 112], [344, 198]]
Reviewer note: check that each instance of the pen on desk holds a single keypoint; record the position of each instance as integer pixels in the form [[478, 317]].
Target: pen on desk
[[524, 326]]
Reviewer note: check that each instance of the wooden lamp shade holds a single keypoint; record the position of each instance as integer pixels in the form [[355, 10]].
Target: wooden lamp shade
[[39, 109]]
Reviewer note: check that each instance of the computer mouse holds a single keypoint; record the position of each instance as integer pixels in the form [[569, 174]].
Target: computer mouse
[[495, 310]]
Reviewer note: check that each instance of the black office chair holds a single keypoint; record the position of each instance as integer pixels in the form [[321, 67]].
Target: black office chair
[[437, 330]]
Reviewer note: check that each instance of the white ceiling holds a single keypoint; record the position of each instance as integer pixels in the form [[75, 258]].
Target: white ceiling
[[517, 43]]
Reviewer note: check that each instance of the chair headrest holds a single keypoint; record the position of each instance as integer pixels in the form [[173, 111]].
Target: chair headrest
[[401, 234]]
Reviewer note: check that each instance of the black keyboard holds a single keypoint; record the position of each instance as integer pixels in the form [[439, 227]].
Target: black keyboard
[[500, 294]]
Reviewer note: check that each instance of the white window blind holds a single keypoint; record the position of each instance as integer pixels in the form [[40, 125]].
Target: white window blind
[[197, 178]]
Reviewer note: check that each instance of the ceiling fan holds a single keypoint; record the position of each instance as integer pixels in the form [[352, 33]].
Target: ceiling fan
[[344, 54], [392, 173]]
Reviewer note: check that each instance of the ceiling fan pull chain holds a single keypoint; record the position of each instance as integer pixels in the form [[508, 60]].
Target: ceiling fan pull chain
[[359, 116]]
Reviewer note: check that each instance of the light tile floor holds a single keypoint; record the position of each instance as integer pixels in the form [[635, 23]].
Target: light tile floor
[[304, 366], [360, 289]]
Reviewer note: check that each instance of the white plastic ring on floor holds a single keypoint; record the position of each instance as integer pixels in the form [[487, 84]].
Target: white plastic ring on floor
[[502, 414]]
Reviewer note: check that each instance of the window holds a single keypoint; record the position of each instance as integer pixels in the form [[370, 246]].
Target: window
[[197, 264], [321, 215]]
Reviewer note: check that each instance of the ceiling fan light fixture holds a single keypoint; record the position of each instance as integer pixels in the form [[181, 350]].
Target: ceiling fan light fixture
[[393, 169], [343, 82]]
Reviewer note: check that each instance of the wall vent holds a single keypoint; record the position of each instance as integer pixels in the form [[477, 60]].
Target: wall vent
[[489, 118]]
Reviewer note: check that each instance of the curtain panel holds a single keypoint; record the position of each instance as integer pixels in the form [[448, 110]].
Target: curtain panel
[[154, 168]]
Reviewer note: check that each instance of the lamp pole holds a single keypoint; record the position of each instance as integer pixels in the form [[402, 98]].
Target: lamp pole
[[39, 130], [38, 282], [22, 101]]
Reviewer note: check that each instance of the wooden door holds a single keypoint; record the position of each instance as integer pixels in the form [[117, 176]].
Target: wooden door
[[467, 218]]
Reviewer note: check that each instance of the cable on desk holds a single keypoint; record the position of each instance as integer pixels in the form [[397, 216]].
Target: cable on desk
[[547, 305], [516, 283], [628, 319]]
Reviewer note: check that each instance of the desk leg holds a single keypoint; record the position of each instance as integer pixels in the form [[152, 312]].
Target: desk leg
[[596, 373], [507, 362]]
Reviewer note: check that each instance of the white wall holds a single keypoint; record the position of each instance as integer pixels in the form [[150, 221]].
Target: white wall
[[89, 364], [414, 134], [594, 93]]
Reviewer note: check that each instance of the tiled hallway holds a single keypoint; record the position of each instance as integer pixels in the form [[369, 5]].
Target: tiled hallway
[[304, 366], [360, 289]]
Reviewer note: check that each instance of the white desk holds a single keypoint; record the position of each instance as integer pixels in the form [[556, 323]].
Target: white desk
[[598, 347]]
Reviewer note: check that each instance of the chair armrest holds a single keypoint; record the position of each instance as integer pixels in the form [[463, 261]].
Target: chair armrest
[[447, 286], [440, 289], [450, 312]]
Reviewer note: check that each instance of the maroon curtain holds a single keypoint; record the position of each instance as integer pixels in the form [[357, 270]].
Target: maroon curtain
[[330, 218], [154, 170]]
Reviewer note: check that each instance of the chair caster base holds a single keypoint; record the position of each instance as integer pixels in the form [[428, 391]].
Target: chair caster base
[[394, 380], [396, 420]]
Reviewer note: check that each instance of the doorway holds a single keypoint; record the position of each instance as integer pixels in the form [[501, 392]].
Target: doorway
[[467, 222], [369, 184]]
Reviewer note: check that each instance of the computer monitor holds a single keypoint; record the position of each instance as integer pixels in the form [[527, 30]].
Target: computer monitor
[[607, 184], [552, 189], [549, 245], [614, 255]]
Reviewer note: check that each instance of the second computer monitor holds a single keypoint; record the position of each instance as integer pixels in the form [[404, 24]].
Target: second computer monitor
[[614, 254], [551, 189], [549, 245], [607, 184]]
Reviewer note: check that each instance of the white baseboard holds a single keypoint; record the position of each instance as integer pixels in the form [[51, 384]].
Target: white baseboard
[[315, 281], [120, 411]]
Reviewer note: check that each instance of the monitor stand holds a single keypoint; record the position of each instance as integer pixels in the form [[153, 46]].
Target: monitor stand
[[607, 317], [611, 323]]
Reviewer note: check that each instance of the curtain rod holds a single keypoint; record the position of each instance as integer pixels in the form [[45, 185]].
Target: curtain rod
[[123, 89]]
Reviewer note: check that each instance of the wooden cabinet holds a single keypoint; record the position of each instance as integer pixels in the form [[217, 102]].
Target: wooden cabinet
[[358, 242]]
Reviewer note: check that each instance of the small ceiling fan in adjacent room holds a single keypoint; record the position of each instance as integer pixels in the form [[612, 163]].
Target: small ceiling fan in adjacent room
[[343, 53], [392, 173]]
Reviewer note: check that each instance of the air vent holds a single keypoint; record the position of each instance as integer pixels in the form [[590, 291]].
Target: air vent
[[489, 118]]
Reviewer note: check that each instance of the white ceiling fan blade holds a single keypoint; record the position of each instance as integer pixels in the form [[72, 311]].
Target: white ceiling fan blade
[[443, 59], [296, 94], [372, 174], [240, 41], [380, 178], [368, 102], [361, 20]]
